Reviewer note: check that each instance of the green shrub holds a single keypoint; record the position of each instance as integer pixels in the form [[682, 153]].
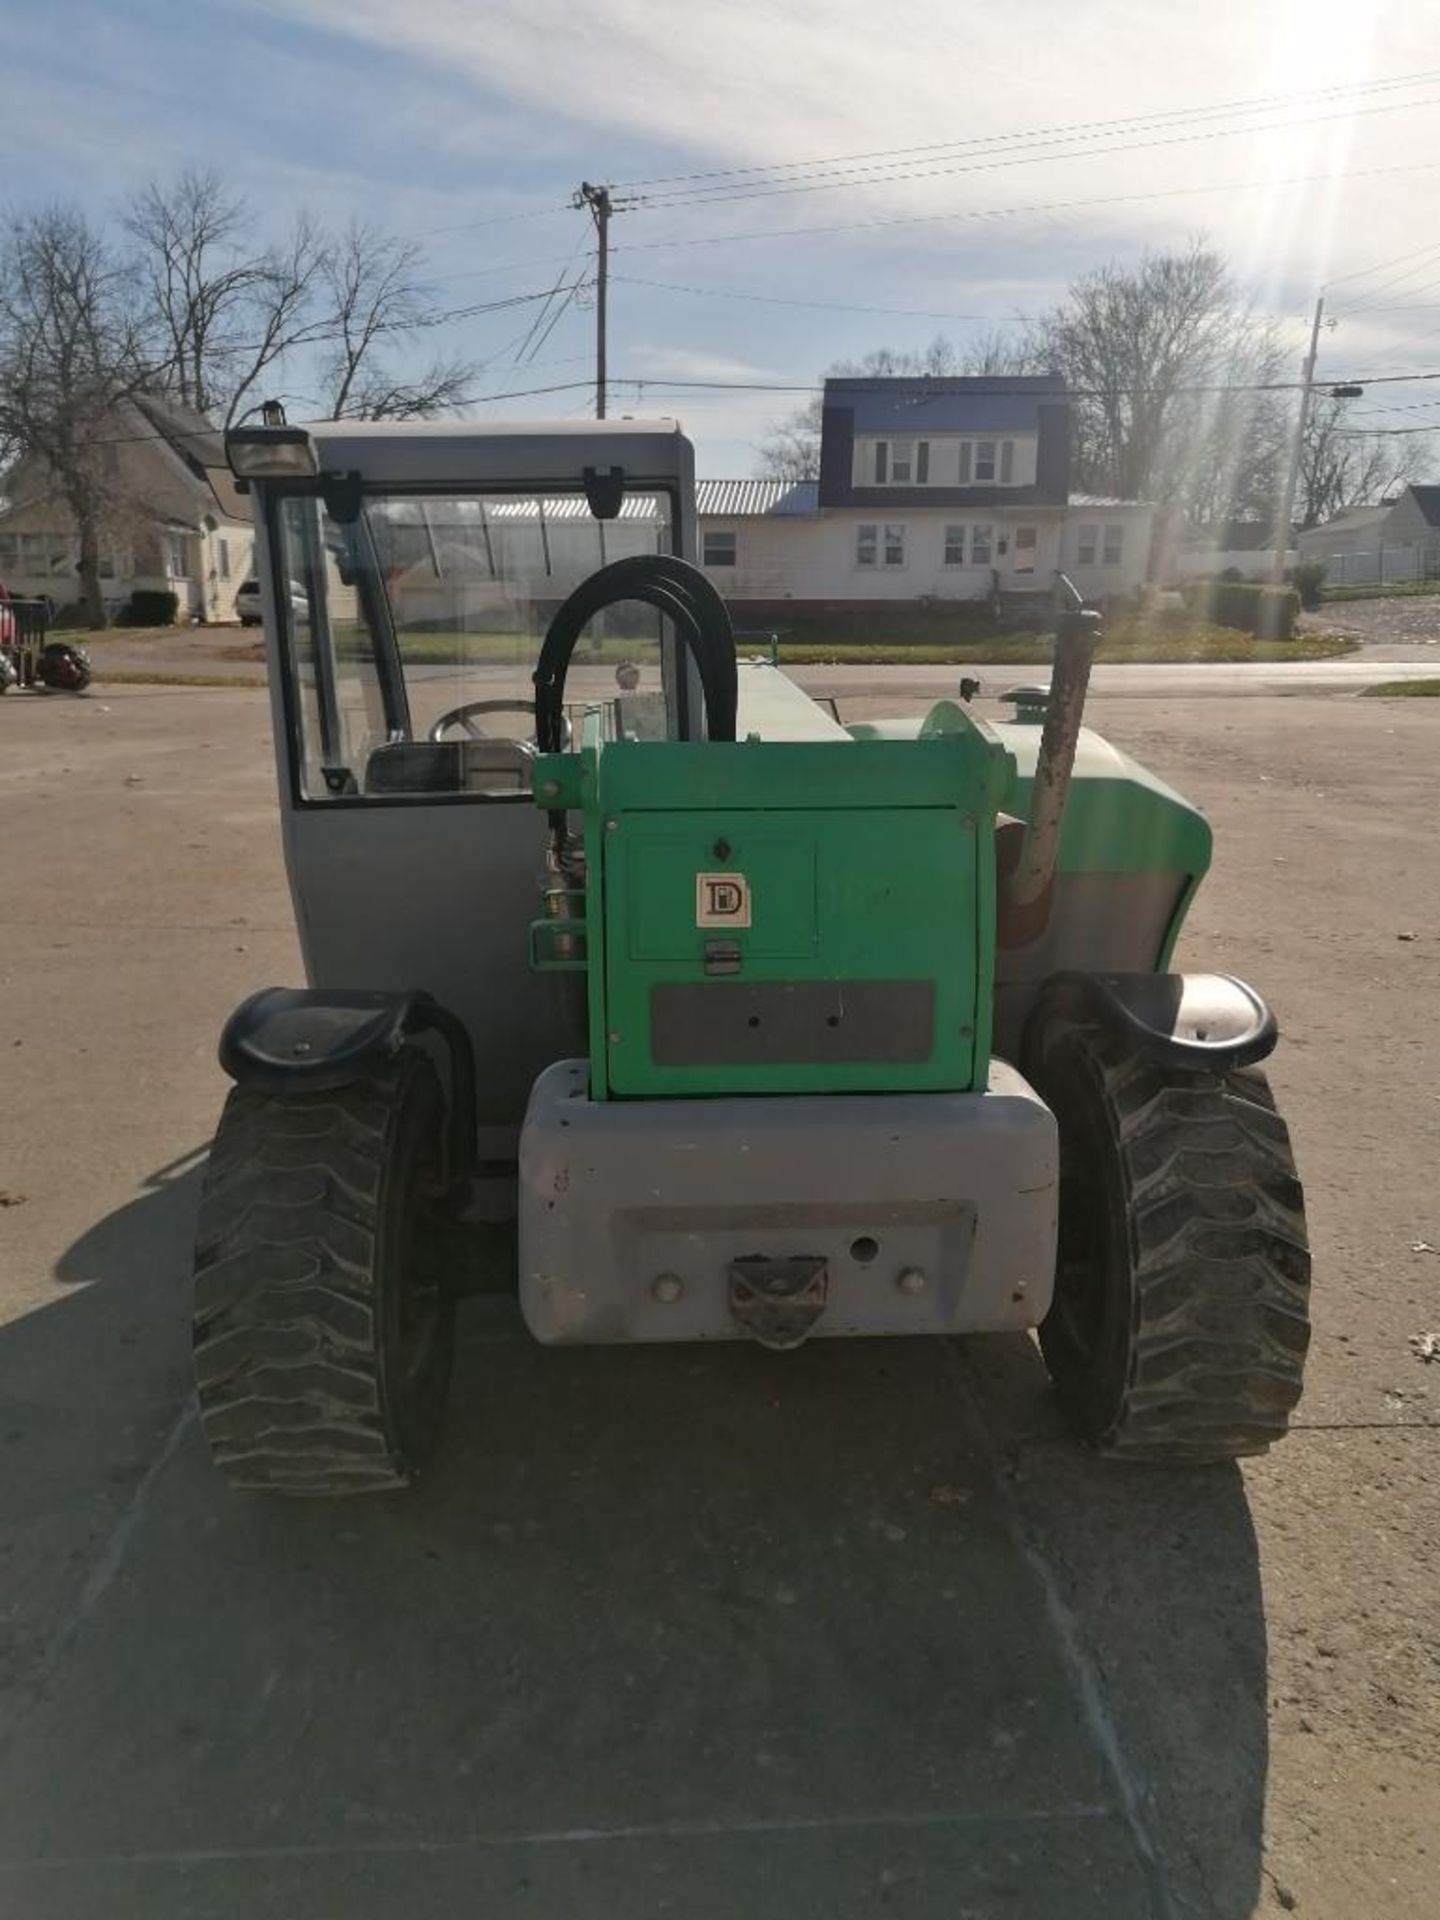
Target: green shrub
[[149, 607], [1307, 579], [1267, 612]]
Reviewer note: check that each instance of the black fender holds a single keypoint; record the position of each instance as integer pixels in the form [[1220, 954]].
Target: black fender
[[1209, 1021], [289, 1040]]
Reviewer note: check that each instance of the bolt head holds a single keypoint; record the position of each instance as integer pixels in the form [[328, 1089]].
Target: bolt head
[[667, 1288], [911, 1280]]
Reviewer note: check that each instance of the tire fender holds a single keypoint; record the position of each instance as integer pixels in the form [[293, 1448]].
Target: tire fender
[[1207, 1021]]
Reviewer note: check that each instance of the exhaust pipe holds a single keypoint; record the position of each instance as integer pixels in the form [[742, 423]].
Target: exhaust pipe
[[1026, 897]]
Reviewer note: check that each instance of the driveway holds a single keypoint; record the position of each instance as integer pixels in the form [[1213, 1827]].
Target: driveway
[[703, 1632], [1403, 627]]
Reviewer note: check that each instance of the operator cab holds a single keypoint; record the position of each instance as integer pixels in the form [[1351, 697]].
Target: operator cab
[[409, 575], [415, 609]]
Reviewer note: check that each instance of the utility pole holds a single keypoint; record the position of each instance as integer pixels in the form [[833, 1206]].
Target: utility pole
[[1292, 479], [597, 199]]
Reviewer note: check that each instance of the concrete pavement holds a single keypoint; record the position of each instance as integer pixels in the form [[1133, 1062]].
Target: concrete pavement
[[701, 1632]]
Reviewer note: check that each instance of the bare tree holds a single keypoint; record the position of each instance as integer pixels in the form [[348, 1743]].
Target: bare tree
[[374, 287], [70, 350], [1342, 466], [224, 311], [1139, 346], [791, 450]]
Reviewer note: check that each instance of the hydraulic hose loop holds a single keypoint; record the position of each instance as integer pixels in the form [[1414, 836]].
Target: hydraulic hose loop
[[676, 589]]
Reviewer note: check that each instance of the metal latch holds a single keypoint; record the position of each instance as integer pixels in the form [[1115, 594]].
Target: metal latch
[[778, 1301]]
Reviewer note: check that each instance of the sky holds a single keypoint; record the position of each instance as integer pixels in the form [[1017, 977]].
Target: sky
[[1008, 151]]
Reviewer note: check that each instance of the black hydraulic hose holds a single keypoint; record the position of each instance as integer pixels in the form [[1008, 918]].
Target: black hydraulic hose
[[678, 590]]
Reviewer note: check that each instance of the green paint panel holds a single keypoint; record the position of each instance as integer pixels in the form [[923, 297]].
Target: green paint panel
[[1119, 817], [834, 897], [815, 916]]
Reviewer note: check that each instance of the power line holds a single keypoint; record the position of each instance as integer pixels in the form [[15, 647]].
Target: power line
[[1423, 263], [1015, 211], [1251, 103], [716, 196], [1364, 273], [1071, 393], [827, 306], [1024, 207], [540, 316]]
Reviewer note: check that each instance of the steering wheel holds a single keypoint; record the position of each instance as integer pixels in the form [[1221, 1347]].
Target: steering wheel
[[463, 716]]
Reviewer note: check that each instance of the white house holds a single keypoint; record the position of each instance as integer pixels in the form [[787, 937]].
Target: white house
[[177, 522], [929, 490], [1397, 540]]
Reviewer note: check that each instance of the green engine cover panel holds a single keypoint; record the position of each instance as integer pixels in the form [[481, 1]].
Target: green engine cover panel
[[858, 968], [791, 916]]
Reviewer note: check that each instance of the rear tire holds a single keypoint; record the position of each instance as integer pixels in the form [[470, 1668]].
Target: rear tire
[[323, 1340], [1180, 1320]]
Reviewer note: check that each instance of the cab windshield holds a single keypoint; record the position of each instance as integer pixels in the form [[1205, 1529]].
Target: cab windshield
[[412, 628]]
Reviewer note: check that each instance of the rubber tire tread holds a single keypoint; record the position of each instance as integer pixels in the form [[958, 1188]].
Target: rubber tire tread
[[304, 1233], [1212, 1246]]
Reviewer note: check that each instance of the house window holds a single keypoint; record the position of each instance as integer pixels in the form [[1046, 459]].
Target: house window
[[902, 464], [981, 544], [719, 549], [1087, 542], [1007, 462], [922, 464], [954, 546], [984, 459], [223, 551], [966, 451], [34, 554], [882, 461], [875, 546], [105, 567], [1114, 543]]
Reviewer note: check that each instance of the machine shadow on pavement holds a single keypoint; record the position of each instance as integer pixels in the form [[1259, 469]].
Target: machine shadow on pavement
[[702, 1630]]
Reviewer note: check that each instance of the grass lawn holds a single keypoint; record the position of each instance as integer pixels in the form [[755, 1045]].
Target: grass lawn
[[1129, 641], [198, 656], [1405, 690], [1125, 642]]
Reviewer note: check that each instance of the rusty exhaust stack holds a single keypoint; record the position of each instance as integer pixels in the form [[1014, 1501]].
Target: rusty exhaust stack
[[1027, 888]]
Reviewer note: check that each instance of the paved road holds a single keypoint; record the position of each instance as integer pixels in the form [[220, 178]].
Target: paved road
[[706, 1633]]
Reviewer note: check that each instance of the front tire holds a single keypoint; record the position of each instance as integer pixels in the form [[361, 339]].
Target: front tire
[[323, 1340], [1180, 1319]]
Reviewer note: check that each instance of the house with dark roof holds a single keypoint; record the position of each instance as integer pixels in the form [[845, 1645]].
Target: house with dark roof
[[176, 521], [1397, 540], [928, 489]]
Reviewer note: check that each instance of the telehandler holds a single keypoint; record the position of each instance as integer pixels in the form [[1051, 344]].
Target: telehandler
[[758, 1026]]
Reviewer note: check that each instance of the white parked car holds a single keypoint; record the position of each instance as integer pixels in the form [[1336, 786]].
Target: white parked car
[[247, 602]]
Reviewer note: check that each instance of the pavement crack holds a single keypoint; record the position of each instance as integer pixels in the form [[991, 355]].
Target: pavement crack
[[1079, 1662], [108, 1561]]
